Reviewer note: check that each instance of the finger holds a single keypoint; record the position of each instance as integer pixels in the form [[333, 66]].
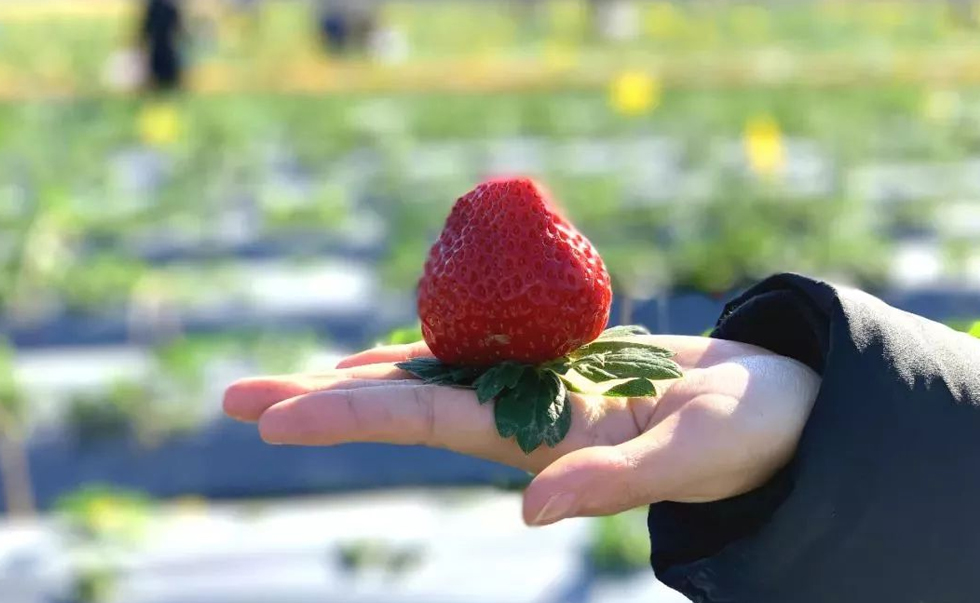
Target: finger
[[601, 480], [391, 353], [699, 454], [411, 414], [611, 479], [396, 414], [247, 399]]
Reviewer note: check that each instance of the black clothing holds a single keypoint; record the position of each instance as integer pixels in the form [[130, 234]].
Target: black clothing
[[161, 31], [881, 502]]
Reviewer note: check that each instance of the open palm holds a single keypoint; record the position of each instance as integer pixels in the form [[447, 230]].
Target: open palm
[[725, 428]]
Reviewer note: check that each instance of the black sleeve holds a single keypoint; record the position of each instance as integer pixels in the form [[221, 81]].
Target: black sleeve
[[149, 20], [882, 500]]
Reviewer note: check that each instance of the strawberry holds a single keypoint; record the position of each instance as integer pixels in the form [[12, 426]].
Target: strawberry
[[513, 301], [511, 279]]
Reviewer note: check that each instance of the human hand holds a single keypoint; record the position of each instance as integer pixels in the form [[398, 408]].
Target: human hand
[[724, 429]]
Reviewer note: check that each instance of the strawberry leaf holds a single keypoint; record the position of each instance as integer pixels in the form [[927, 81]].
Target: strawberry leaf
[[628, 363], [529, 439], [497, 379], [570, 386], [433, 372], [594, 372], [535, 411], [558, 416], [422, 368], [559, 366], [509, 413], [532, 404], [623, 331], [513, 409], [633, 389], [602, 346]]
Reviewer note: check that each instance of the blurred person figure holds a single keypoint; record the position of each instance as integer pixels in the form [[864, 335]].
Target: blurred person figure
[[347, 25], [160, 34], [614, 20]]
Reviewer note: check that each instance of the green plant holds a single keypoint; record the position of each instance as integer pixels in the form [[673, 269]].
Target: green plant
[[104, 521], [403, 335], [18, 488], [360, 555], [98, 415], [105, 513], [94, 582], [619, 544], [971, 327]]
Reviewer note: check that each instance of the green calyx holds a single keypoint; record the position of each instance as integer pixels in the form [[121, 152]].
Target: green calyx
[[532, 403]]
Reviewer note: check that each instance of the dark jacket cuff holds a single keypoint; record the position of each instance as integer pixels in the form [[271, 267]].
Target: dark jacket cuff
[[880, 501], [785, 314]]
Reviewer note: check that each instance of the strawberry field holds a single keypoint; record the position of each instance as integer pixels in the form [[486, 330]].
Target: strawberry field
[[277, 213], [710, 189], [699, 147], [294, 192]]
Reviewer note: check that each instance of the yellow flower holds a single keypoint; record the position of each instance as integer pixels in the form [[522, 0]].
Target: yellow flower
[[764, 146], [159, 124], [635, 93], [114, 518]]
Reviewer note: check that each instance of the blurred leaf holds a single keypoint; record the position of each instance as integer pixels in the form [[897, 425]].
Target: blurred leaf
[[620, 544], [183, 360], [103, 415], [282, 352], [13, 406], [365, 554], [403, 335], [106, 512], [94, 582]]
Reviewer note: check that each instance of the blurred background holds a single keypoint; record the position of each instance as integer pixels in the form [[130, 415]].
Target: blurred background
[[195, 191]]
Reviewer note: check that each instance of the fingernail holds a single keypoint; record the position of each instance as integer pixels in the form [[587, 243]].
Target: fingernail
[[557, 508]]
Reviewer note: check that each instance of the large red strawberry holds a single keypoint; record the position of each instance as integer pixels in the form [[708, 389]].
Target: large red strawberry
[[513, 302], [511, 279]]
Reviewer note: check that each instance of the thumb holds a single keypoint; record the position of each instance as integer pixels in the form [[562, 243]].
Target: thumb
[[601, 480]]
